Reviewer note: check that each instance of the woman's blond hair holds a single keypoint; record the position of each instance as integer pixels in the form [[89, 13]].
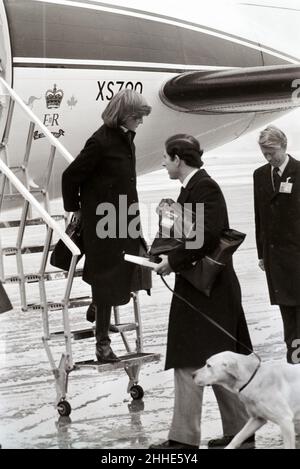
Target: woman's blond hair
[[126, 103]]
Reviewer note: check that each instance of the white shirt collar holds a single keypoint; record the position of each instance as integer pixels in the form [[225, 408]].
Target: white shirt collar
[[124, 129], [189, 177], [283, 166]]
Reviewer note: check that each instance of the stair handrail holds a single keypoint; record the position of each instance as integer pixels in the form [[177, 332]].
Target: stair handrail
[[67, 156], [42, 212]]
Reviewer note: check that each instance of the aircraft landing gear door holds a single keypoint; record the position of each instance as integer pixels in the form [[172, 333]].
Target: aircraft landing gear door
[[5, 65]]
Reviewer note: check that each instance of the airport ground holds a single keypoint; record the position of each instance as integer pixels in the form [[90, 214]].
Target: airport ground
[[104, 415]]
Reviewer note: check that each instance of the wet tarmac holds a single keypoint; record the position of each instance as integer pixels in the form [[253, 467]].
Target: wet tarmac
[[103, 414]]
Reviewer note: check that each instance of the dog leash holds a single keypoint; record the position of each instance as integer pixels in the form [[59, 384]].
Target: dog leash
[[253, 374], [221, 328]]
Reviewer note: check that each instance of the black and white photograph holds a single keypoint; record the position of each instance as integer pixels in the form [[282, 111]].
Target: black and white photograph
[[149, 227]]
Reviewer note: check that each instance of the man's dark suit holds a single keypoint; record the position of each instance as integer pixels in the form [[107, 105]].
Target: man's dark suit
[[191, 338], [277, 221]]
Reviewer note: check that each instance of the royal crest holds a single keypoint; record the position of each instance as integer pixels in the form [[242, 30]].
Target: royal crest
[[54, 98]]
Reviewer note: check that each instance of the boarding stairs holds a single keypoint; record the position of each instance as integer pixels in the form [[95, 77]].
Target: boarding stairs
[[16, 189]]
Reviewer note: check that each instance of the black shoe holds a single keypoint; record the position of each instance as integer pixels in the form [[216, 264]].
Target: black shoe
[[171, 444], [104, 354], [226, 439]]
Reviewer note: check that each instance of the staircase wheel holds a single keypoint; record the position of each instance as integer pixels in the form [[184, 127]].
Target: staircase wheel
[[64, 408], [136, 392]]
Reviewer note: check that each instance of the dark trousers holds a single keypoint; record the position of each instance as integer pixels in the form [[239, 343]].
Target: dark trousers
[[102, 319], [291, 326]]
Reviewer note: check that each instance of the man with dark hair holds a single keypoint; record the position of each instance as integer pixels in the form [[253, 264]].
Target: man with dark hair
[[191, 338], [277, 222]]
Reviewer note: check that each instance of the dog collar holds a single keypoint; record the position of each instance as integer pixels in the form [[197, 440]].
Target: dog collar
[[252, 376]]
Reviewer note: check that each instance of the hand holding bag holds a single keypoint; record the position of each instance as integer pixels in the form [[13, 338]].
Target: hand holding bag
[[175, 225], [203, 273], [61, 255]]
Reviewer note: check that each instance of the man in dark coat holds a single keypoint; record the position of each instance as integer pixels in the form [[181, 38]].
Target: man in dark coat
[[277, 221], [100, 187], [191, 338]]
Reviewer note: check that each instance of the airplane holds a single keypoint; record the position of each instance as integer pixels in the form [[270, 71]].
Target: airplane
[[207, 68]]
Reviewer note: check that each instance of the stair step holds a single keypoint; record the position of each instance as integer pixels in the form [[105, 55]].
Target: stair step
[[18, 196], [77, 335], [58, 305], [33, 278], [116, 328], [32, 222], [87, 333], [11, 251], [17, 168], [130, 359]]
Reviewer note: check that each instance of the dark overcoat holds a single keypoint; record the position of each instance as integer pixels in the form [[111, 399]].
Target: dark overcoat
[[277, 221], [103, 171], [191, 338]]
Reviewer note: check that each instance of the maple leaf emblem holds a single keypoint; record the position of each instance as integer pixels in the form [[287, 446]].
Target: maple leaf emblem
[[72, 102]]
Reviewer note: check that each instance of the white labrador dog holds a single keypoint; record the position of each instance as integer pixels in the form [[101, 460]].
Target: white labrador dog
[[272, 394]]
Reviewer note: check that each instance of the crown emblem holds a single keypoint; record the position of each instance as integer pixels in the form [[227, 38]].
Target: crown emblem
[[54, 98]]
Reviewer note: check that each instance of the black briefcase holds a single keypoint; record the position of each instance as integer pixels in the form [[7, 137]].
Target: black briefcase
[[203, 274], [61, 255], [5, 304], [142, 276]]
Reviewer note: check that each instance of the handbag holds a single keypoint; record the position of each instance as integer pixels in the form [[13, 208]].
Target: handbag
[[142, 276], [61, 255], [171, 234], [203, 274], [5, 304]]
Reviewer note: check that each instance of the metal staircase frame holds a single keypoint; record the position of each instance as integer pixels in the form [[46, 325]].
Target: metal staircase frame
[[52, 226], [56, 146], [133, 359]]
